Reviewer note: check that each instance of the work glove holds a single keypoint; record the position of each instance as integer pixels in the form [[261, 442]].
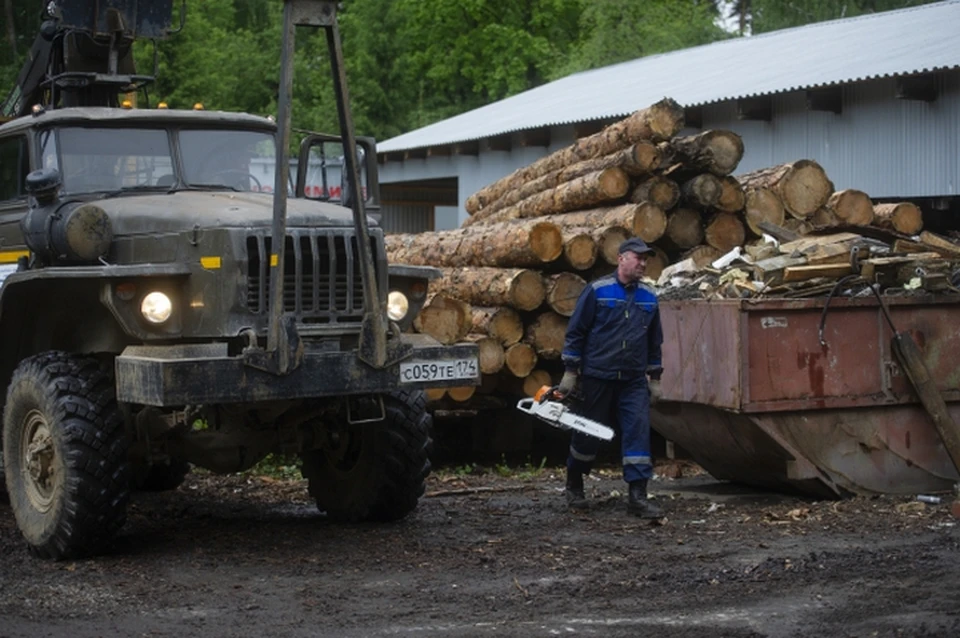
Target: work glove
[[567, 384], [655, 392]]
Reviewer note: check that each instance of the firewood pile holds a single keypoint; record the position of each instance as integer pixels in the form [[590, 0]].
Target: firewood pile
[[512, 273]]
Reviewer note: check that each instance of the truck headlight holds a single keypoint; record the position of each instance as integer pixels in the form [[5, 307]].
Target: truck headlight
[[156, 307], [397, 305]]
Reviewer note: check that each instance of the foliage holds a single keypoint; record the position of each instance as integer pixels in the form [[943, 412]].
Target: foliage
[[277, 466], [771, 15]]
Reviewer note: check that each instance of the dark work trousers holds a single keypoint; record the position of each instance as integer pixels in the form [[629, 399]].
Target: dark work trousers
[[623, 405]]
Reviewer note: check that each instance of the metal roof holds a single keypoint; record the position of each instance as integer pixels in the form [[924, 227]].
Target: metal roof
[[883, 44]]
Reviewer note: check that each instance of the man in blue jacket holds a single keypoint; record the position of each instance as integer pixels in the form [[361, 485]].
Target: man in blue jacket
[[612, 346]]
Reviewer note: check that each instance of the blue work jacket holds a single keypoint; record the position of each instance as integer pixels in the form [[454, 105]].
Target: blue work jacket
[[615, 331]]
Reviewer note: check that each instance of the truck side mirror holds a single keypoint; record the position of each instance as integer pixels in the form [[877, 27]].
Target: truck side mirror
[[320, 170]]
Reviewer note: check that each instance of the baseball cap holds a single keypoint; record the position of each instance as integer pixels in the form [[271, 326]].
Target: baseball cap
[[635, 244]]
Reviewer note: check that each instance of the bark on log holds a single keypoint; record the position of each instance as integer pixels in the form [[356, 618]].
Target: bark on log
[[517, 287], [903, 217], [701, 191], [589, 190], [762, 205], [724, 232], [546, 334], [645, 221], [608, 243], [444, 318], [717, 151], [660, 121], [851, 207], [684, 228], [519, 359], [530, 243], [660, 191], [639, 159], [563, 290], [702, 255], [500, 322], [491, 352], [579, 248], [802, 186], [732, 198]]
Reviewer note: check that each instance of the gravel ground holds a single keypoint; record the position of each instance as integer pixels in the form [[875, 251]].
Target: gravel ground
[[492, 555]]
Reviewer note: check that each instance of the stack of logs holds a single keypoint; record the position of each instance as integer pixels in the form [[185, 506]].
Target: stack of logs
[[513, 272]]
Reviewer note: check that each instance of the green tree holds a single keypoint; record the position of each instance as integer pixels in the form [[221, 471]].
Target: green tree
[[772, 15]]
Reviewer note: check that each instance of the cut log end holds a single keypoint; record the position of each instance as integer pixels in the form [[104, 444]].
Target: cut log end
[[579, 249], [520, 359], [904, 217], [724, 232], [536, 380], [546, 241], [805, 188], [649, 222], [563, 290], [762, 205], [527, 290], [852, 206], [609, 242]]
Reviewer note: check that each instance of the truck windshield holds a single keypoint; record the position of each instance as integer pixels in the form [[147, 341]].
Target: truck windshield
[[116, 159]]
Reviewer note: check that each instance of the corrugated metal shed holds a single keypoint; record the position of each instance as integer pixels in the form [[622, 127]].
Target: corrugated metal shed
[[904, 42]]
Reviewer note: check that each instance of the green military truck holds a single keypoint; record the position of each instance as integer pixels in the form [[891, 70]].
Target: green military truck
[[149, 320]]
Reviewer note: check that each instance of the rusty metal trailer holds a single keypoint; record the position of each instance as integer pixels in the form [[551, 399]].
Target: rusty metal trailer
[[792, 394]]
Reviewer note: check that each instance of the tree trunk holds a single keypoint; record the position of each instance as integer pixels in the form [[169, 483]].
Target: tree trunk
[[589, 190], [500, 322], [702, 255], [546, 334], [446, 319], [11, 31], [903, 217], [701, 191], [851, 207], [579, 248], [642, 220], [516, 245], [519, 359], [732, 198], [563, 290], [639, 159], [517, 287], [724, 232], [609, 240], [716, 151], [802, 186], [762, 205], [660, 121], [659, 191], [684, 228], [491, 352]]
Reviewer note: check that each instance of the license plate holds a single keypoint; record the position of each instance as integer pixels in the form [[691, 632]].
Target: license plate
[[445, 370]]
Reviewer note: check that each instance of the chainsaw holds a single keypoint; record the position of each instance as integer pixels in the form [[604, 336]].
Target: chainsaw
[[558, 415]]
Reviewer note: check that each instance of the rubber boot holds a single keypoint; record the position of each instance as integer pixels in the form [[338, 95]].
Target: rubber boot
[[639, 504], [576, 498]]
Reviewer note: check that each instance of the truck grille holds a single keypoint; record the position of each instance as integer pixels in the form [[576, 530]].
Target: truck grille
[[321, 276]]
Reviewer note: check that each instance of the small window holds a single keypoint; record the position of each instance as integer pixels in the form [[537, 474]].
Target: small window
[[14, 165]]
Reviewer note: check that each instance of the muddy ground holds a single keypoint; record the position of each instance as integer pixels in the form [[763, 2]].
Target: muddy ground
[[488, 555]]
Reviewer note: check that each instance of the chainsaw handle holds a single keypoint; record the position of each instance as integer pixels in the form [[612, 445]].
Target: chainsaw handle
[[526, 405]]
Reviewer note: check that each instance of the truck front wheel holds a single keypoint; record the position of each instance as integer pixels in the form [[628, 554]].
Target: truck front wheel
[[373, 471], [65, 455]]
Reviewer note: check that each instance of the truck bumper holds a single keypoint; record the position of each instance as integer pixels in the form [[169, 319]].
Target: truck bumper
[[176, 375]]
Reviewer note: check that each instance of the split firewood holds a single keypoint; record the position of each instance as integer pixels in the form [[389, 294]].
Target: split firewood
[[562, 291], [940, 244], [519, 359], [851, 207], [717, 151], [546, 334], [732, 197], [645, 220], [639, 159], [770, 271], [517, 287], [529, 243], [802, 186], [762, 205], [500, 322], [724, 232], [444, 318], [684, 228], [490, 352], [660, 191], [586, 191], [660, 121], [884, 269], [903, 217], [579, 247], [802, 273]]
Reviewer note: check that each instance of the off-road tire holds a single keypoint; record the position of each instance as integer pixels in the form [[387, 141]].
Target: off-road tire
[[65, 455], [161, 477], [377, 470]]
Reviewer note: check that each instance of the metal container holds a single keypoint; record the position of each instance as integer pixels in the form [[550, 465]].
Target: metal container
[[751, 392]]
